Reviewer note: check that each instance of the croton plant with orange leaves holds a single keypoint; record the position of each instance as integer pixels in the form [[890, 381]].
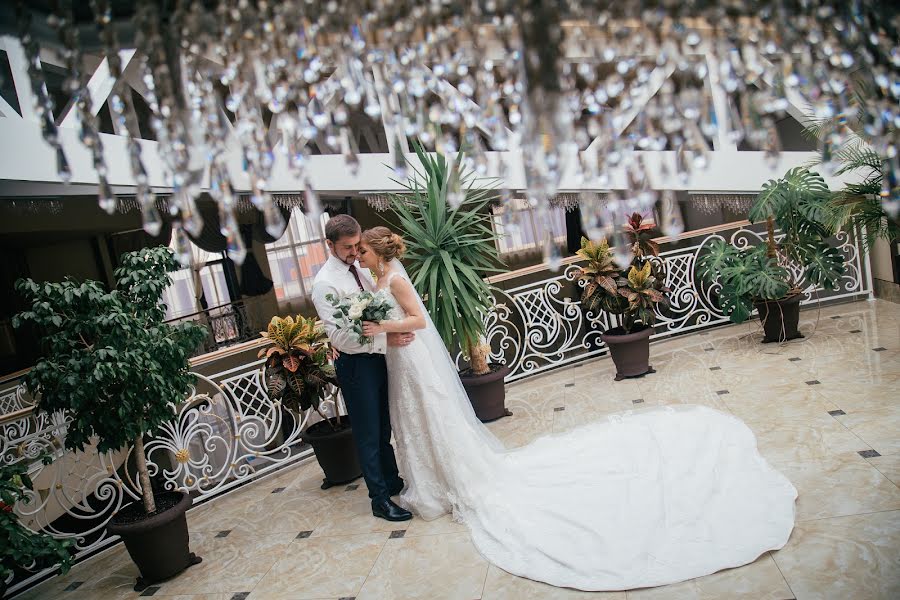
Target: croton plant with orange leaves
[[297, 369], [634, 292]]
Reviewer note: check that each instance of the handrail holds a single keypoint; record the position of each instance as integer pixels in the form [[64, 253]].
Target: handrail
[[660, 240]]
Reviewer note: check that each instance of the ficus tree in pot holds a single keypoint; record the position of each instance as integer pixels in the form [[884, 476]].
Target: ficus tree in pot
[[765, 275], [451, 248], [298, 374], [629, 295], [115, 368]]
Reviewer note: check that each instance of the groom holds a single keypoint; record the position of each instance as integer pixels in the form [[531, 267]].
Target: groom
[[361, 370]]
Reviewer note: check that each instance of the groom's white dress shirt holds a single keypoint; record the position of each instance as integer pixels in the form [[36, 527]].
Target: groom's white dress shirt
[[335, 278]]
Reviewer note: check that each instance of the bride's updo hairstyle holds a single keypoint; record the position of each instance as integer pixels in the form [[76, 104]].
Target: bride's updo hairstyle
[[386, 244]]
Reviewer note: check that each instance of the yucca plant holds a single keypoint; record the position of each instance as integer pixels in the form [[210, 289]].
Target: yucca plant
[[450, 250], [797, 204], [297, 369]]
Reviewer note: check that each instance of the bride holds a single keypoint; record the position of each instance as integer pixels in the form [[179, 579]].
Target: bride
[[639, 499]]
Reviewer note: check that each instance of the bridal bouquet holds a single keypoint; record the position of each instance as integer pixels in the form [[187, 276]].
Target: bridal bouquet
[[352, 310]]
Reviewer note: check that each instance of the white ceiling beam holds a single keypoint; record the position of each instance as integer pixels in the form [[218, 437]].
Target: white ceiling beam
[[7, 111], [99, 87]]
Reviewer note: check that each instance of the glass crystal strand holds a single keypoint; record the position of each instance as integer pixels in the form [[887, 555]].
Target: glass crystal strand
[[312, 206], [182, 245], [592, 220], [43, 100], [672, 221], [76, 82], [122, 110], [221, 191]]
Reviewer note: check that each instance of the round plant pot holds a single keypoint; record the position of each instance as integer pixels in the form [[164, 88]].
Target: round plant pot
[[487, 393], [335, 450], [158, 544], [780, 319], [630, 351]]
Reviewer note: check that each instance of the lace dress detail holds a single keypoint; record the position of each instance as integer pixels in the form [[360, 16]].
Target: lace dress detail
[[638, 499]]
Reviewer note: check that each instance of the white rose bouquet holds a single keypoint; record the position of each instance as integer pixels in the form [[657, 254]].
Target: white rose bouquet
[[352, 310]]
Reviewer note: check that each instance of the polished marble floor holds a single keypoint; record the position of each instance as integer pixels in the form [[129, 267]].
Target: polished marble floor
[[825, 409]]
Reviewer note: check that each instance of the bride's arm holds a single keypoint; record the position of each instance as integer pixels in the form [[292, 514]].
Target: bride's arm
[[406, 297]]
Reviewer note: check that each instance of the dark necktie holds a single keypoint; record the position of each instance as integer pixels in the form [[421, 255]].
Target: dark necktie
[[356, 277]]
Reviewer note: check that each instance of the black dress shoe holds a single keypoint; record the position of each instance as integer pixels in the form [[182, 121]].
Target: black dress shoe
[[387, 510]]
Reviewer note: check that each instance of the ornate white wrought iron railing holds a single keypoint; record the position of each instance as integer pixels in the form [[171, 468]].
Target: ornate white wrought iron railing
[[226, 433], [229, 432], [540, 325]]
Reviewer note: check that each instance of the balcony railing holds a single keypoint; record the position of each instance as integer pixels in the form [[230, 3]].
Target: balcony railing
[[228, 324], [228, 431]]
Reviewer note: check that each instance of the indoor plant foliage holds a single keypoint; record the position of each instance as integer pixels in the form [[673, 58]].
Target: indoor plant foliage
[[761, 275], [451, 248], [297, 368], [297, 374], [632, 294], [19, 546], [113, 366]]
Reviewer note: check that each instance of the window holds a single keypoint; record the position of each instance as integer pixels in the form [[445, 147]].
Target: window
[[523, 231], [205, 277], [297, 256]]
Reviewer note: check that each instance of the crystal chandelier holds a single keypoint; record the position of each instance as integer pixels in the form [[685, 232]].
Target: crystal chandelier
[[552, 84]]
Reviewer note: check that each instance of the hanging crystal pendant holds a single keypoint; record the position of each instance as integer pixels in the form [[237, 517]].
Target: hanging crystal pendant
[[621, 248], [591, 209], [152, 220], [234, 243], [62, 165], [672, 221], [399, 159], [275, 223], [311, 204], [552, 255], [105, 197], [182, 244], [190, 215]]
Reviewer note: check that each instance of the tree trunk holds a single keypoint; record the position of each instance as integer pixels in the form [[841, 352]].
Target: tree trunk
[[146, 489], [478, 355], [771, 249]]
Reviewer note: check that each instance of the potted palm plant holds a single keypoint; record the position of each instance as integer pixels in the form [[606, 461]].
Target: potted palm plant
[[762, 276], [630, 296], [450, 252], [298, 375], [119, 372], [20, 547]]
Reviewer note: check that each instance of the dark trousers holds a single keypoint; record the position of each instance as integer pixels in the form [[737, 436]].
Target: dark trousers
[[364, 384]]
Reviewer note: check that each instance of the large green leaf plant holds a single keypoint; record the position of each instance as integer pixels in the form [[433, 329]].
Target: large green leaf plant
[[797, 204], [110, 362], [450, 250]]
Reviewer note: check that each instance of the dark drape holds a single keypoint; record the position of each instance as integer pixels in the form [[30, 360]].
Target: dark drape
[[253, 280], [573, 230]]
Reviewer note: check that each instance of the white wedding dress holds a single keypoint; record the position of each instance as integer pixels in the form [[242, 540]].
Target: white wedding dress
[[639, 499]]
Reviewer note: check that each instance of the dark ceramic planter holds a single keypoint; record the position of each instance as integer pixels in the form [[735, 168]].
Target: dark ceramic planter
[[158, 545], [487, 393], [630, 351], [335, 451], [780, 319]]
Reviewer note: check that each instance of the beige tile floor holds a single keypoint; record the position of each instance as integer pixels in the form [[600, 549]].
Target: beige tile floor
[[826, 411]]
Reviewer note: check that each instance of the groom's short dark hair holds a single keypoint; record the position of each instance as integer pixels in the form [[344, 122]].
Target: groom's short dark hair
[[340, 226]]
